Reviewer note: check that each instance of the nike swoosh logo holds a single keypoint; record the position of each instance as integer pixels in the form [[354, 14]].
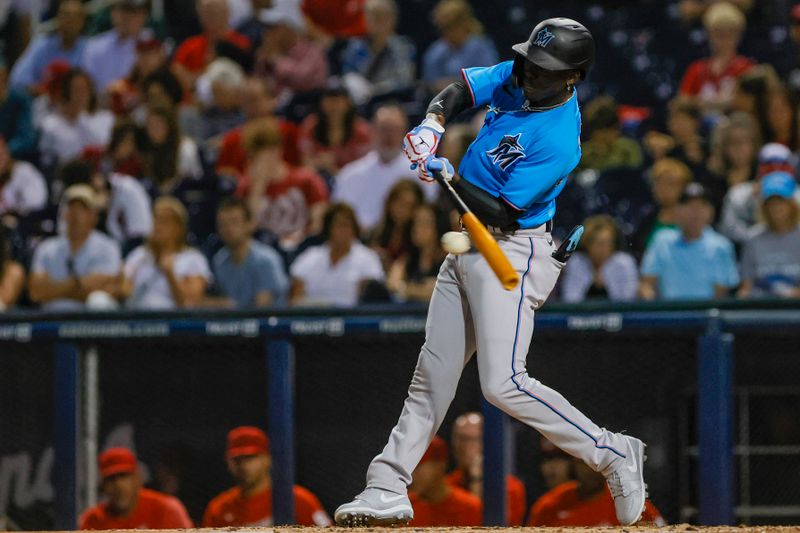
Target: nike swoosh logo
[[438, 103], [392, 499], [632, 469]]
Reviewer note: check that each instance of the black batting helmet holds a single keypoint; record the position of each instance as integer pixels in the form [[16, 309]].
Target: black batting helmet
[[556, 44]]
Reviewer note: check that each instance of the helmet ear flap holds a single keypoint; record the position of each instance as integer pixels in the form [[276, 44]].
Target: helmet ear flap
[[518, 71]]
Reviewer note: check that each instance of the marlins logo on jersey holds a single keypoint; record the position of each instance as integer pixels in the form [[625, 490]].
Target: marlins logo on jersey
[[508, 152]]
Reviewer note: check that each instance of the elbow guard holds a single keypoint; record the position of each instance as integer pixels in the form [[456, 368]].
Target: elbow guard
[[453, 99]]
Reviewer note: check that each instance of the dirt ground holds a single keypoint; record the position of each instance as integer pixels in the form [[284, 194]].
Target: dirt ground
[[680, 528]]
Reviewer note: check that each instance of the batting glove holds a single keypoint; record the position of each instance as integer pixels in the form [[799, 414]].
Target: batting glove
[[422, 141], [433, 164]]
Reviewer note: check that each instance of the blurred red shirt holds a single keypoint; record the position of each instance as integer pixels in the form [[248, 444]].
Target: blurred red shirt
[[515, 495], [154, 510], [460, 508], [233, 155], [338, 18], [194, 53], [703, 82], [360, 142], [232, 509], [562, 507]]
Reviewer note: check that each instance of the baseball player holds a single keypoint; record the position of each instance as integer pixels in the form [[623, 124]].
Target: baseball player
[[510, 178]]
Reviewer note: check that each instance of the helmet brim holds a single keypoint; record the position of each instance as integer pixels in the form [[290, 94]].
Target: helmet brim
[[538, 56]]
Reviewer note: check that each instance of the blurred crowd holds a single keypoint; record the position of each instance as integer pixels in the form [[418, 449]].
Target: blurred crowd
[[257, 162], [574, 495]]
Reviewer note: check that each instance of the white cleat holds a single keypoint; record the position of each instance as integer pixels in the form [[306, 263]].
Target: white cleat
[[375, 507], [627, 484]]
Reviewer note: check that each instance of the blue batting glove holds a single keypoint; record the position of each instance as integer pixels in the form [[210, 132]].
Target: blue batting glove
[[433, 164]]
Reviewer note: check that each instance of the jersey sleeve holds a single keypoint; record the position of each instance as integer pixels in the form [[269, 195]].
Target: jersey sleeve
[[537, 178], [727, 275], [174, 515], [482, 81]]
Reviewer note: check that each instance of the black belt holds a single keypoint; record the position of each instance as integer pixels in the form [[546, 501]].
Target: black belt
[[511, 228]]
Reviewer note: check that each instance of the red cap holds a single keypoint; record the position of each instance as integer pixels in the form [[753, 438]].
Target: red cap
[[437, 451], [117, 461], [247, 440], [795, 13]]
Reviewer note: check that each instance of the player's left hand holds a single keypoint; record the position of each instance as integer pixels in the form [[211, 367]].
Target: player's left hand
[[425, 169]]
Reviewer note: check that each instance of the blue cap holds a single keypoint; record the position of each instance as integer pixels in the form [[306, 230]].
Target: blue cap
[[780, 184]]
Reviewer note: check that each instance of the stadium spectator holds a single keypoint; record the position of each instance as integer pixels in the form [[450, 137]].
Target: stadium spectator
[[669, 177], [600, 270], [287, 201], [22, 187], [124, 151], [51, 89], [771, 256], [391, 238], [712, 80], [249, 503], [288, 60], [605, 146], [165, 273], [121, 199], [337, 271], [335, 19], [111, 55], [126, 93], [160, 89], [66, 43], [436, 502], [169, 156], [382, 62], [67, 268], [412, 277], [195, 53], [220, 92], [258, 103], [252, 27], [692, 262], [685, 141], [16, 118], [250, 274], [128, 504], [467, 441], [584, 502], [752, 92], [735, 144], [461, 45], [335, 135], [740, 207], [373, 175], [782, 118], [555, 464], [76, 124], [791, 74], [12, 275]]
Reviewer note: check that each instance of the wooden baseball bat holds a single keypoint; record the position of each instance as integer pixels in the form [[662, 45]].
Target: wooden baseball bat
[[482, 239]]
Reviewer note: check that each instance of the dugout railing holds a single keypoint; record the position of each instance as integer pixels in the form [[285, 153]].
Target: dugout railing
[[79, 344]]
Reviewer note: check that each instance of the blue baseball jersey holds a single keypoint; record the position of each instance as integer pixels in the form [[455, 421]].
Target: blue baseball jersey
[[521, 156]]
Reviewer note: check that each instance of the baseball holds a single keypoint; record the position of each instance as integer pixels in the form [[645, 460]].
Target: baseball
[[455, 242]]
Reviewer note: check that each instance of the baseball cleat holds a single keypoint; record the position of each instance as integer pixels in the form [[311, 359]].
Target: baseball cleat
[[375, 507], [627, 484]]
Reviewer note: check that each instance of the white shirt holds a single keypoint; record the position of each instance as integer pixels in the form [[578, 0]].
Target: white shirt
[[150, 286], [337, 284], [61, 140], [365, 183], [189, 165], [26, 191], [129, 211]]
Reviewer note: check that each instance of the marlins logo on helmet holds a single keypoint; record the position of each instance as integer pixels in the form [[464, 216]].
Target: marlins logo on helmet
[[544, 37], [507, 152]]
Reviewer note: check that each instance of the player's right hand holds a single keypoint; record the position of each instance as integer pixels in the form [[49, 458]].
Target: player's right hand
[[422, 141]]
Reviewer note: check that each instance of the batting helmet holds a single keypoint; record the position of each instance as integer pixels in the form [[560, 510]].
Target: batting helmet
[[556, 44]]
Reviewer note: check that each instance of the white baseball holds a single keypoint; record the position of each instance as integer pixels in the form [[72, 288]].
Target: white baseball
[[455, 242]]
